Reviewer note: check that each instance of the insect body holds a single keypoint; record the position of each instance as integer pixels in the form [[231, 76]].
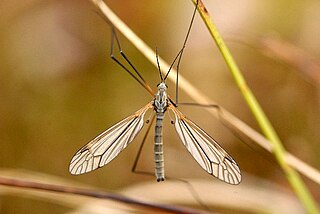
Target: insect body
[[160, 104], [204, 149]]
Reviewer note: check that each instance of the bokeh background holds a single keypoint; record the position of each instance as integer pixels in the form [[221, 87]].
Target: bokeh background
[[59, 88]]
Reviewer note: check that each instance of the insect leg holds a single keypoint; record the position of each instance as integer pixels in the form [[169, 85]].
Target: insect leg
[[201, 105], [180, 57], [192, 191], [139, 79], [140, 149]]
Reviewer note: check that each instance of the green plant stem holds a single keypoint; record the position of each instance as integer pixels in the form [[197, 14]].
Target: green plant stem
[[277, 148]]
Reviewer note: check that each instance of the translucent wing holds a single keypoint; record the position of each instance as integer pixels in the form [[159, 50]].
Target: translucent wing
[[205, 150], [108, 144]]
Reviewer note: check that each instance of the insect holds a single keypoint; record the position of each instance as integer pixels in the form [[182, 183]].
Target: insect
[[204, 149]]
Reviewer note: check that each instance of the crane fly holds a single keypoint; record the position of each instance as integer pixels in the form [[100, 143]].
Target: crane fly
[[204, 149]]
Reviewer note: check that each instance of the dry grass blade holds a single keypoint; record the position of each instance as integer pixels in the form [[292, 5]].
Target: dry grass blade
[[308, 65], [244, 200], [33, 185]]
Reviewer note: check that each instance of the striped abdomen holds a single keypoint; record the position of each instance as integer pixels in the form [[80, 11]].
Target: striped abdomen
[[158, 148]]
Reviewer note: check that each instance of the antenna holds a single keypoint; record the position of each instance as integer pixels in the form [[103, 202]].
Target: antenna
[[157, 56]]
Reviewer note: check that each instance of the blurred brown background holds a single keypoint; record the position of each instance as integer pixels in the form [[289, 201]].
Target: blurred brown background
[[59, 88]]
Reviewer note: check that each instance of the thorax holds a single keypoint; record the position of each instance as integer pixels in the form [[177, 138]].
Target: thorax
[[160, 101]]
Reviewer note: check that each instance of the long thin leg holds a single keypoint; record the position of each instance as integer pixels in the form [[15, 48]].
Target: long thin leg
[[140, 149], [179, 57], [233, 129], [182, 49], [193, 192], [114, 36], [195, 104], [126, 58], [175, 59], [140, 80], [201, 105]]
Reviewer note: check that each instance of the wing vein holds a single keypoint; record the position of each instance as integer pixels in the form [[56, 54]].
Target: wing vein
[[205, 150], [106, 146]]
